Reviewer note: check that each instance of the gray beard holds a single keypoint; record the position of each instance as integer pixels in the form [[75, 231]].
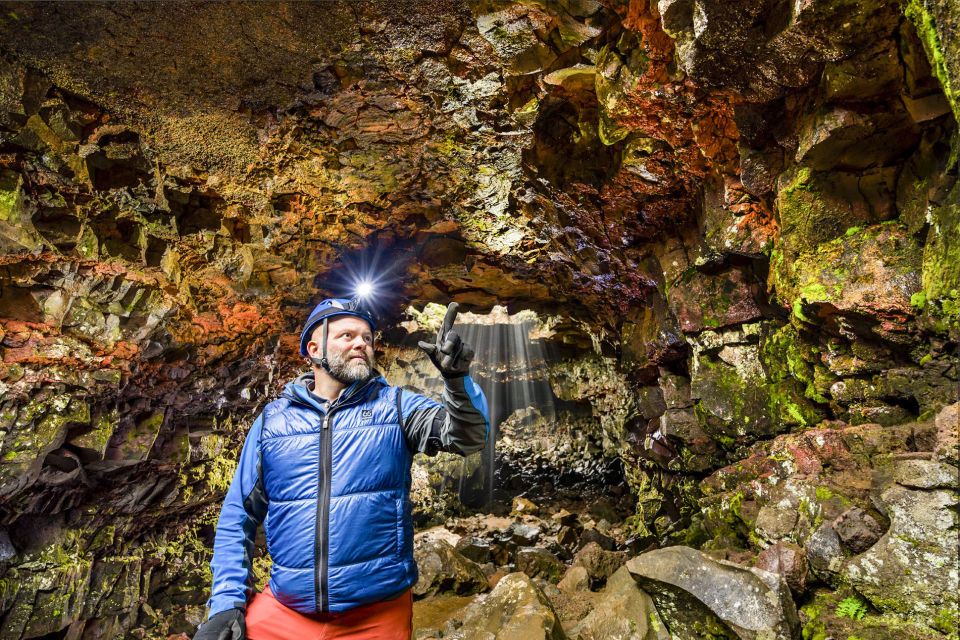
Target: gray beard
[[348, 371]]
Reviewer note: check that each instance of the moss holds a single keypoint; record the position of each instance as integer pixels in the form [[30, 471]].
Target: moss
[[925, 24], [918, 300]]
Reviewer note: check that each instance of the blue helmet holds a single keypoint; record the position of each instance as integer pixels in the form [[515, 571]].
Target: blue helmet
[[329, 308]]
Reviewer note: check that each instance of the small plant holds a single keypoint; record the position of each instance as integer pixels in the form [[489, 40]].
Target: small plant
[[852, 607]]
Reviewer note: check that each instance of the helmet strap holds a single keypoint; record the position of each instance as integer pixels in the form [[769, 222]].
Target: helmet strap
[[322, 362]]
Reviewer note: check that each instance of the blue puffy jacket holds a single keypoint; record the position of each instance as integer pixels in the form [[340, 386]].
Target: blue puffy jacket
[[330, 484]]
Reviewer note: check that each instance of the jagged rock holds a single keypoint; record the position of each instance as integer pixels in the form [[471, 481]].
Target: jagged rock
[[516, 609], [912, 570], [473, 548], [696, 595], [819, 474], [591, 535], [789, 561], [824, 551], [575, 579], [524, 534], [523, 506], [858, 530], [567, 537], [624, 612], [539, 563], [599, 563], [926, 474], [947, 448], [7, 550], [443, 570]]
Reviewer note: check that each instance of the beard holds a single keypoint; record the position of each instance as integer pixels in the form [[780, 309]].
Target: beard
[[343, 368]]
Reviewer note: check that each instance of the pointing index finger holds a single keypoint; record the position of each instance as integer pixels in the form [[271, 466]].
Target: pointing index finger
[[449, 319]]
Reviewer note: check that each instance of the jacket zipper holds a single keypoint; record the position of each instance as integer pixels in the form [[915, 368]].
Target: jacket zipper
[[323, 517], [325, 472]]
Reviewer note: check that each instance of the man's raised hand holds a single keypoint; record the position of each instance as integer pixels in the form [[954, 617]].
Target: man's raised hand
[[448, 352]]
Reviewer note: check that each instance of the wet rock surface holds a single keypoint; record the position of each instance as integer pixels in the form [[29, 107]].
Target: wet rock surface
[[733, 229]]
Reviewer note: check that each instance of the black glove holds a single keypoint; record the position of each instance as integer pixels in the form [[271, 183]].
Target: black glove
[[449, 353], [226, 625]]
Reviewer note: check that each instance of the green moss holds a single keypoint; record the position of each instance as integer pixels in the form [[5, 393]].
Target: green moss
[[918, 300], [917, 12]]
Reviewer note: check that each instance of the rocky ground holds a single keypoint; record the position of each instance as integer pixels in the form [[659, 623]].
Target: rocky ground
[[839, 532]]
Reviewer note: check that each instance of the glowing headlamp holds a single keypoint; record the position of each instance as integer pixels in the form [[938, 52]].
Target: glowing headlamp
[[364, 289]]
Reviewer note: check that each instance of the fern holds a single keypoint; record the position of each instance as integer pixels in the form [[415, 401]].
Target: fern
[[852, 607]]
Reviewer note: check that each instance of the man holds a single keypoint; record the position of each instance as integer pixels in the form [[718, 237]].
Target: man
[[326, 469]]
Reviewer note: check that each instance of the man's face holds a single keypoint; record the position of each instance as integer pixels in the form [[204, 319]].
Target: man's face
[[349, 348]]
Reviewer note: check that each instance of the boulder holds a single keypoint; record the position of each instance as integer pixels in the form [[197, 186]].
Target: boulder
[[912, 571], [444, 571], [516, 609], [523, 506], [788, 560], [824, 552], [858, 530], [473, 548], [595, 536], [624, 612], [539, 563], [947, 448], [575, 579], [697, 596], [524, 535], [599, 563]]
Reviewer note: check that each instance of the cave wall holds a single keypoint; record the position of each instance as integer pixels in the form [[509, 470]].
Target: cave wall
[[744, 219]]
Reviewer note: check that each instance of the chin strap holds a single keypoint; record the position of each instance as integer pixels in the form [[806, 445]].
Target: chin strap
[[322, 362]]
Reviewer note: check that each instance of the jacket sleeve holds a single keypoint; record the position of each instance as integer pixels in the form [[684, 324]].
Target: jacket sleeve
[[460, 425], [243, 510]]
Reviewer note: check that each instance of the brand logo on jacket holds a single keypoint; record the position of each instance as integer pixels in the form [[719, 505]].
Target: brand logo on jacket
[[366, 415]]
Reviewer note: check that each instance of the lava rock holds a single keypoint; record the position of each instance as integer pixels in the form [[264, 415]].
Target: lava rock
[[947, 448], [516, 609], [524, 535], [443, 570], [858, 530], [599, 563], [926, 474], [774, 522], [575, 579], [788, 560], [539, 563], [912, 570], [7, 550], [696, 594], [567, 537], [565, 518], [593, 535], [625, 612], [824, 553], [473, 548], [523, 506]]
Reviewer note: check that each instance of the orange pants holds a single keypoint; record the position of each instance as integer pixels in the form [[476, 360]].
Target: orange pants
[[267, 619]]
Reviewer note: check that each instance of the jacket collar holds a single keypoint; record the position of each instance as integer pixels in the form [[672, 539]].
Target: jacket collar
[[300, 390]]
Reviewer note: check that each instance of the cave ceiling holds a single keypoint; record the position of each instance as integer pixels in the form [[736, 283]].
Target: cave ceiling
[[521, 153]]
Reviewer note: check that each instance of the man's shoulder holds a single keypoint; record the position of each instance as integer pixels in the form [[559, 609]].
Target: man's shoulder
[[275, 406]]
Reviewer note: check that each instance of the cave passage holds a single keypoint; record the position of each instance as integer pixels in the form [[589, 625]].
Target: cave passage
[[708, 255]]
